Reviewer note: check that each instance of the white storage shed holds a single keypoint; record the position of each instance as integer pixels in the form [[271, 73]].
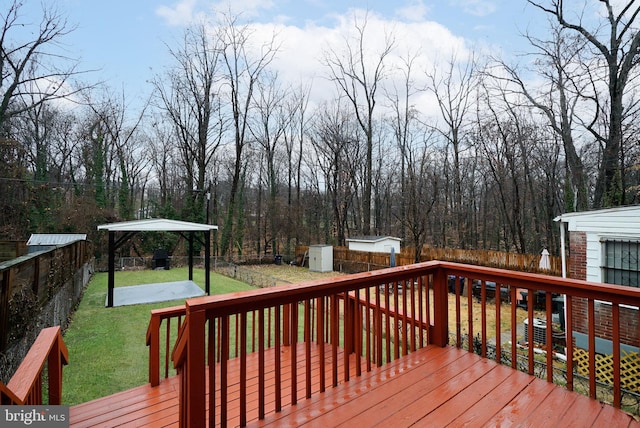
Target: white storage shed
[[375, 244], [321, 258]]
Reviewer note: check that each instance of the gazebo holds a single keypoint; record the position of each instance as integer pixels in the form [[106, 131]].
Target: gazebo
[[119, 233]]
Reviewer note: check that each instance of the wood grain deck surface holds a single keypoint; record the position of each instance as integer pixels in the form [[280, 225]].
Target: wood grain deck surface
[[431, 387]]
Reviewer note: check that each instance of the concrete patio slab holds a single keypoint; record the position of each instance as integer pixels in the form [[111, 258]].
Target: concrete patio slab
[[158, 292]]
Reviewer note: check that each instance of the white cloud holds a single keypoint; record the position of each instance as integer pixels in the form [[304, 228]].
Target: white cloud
[[303, 47], [302, 50], [182, 13], [476, 7], [414, 11], [246, 8]]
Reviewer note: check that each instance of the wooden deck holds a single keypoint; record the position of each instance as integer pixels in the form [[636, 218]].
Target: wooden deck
[[431, 387]]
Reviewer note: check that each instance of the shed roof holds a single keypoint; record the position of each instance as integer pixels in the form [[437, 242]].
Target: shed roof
[[372, 238], [158, 225], [594, 213], [51, 239], [619, 220]]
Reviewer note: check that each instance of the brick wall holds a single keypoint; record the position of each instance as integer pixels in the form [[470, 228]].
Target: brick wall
[[578, 255], [603, 319]]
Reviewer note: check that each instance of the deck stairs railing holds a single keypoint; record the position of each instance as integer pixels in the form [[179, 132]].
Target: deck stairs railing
[[47, 355]]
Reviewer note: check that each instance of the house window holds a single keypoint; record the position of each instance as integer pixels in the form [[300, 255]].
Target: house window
[[621, 263]]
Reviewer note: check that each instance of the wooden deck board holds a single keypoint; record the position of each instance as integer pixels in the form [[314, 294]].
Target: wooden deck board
[[525, 402], [485, 409], [433, 387]]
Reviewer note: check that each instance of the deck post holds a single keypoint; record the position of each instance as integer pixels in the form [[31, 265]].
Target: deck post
[[440, 328], [153, 341], [195, 372]]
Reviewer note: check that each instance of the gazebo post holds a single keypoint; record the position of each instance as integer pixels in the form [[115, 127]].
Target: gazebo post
[[207, 262], [190, 256], [112, 268]]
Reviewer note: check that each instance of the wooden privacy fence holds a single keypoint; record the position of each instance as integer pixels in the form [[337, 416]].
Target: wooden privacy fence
[[12, 249], [38, 290], [348, 260]]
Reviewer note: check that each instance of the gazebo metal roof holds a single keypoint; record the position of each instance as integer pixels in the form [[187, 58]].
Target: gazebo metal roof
[[129, 228], [157, 225]]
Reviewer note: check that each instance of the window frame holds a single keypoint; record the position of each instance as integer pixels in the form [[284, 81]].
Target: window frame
[[618, 264]]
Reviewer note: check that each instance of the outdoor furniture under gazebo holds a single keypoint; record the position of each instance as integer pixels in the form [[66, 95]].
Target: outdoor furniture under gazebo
[[119, 233]]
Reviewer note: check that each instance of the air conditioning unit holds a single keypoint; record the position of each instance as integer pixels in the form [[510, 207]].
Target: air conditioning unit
[[539, 331]]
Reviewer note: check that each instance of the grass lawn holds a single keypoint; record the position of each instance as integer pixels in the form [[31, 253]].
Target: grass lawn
[[107, 351]]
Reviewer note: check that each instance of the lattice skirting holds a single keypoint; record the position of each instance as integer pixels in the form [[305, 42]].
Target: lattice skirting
[[629, 368]]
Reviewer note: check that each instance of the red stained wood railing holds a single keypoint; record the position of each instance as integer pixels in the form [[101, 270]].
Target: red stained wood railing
[[594, 294], [373, 315], [172, 315], [25, 386], [377, 317]]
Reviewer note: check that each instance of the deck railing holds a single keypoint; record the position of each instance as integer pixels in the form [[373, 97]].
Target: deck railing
[[25, 386], [378, 316], [156, 337]]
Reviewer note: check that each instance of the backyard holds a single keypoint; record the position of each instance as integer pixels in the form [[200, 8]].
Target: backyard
[[107, 348]]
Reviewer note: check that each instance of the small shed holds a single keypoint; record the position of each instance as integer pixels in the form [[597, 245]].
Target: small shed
[[375, 244], [320, 258], [46, 241]]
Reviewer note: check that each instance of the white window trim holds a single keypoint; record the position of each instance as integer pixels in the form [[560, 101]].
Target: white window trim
[[603, 240]]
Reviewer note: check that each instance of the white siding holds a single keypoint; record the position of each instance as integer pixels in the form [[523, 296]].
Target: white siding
[[600, 225], [594, 258], [382, 245], [621, 222]]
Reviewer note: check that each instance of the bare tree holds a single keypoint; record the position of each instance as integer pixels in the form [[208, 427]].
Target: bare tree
[[403, 123], [334, 140], [36, 69], [294, 138], [454, 90], [558, 101], [619, 50], [421, 190], [243, 64], [358, 78], [163, 154], [190, 98], [268, 130]]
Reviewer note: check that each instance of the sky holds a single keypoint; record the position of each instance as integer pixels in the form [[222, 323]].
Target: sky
[[126, 41]]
